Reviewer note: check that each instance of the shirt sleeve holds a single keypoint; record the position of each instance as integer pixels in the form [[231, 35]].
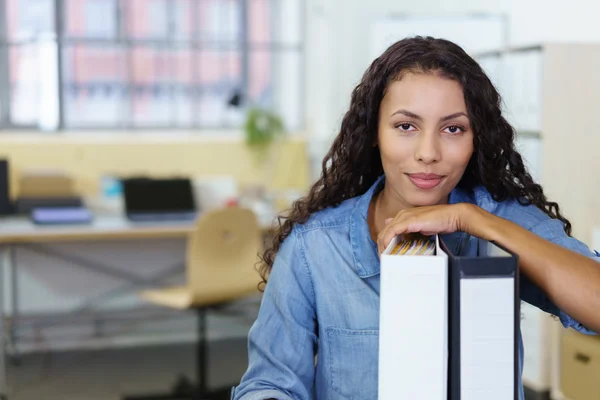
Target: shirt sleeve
[[552, 230], [282, 341]]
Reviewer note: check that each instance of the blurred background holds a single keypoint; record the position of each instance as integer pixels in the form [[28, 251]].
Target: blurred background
[[106, 105]]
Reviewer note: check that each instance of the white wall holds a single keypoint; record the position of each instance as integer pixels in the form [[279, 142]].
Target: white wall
[[338, 52], [534, 21], [338, 43]]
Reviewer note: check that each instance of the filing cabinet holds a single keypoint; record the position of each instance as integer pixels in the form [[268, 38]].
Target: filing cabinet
[[550, 95], [580, 366]]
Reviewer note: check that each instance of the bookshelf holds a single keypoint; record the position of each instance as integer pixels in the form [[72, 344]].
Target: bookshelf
[[551, 92]]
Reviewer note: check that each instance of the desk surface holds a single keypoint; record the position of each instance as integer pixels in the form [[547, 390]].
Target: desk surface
[[103, 227], [114, 227]]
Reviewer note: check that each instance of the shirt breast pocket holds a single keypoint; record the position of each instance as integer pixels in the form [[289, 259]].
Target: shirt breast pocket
[[353, 362]]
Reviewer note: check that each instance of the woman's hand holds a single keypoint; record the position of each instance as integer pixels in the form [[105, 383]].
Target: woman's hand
[[430, 220], [571, 280]]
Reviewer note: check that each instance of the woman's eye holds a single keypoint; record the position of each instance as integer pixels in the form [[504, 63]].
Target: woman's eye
[[405, 127], [454, 130]]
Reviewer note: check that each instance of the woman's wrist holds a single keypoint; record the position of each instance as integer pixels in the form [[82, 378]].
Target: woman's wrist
[[480, 223]]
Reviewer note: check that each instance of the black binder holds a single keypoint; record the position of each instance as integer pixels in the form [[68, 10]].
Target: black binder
[[484, 317]]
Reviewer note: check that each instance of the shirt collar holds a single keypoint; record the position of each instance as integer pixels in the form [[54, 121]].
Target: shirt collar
[[364, 249]]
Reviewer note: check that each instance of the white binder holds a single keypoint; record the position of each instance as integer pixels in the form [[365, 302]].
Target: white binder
[[413, 331]]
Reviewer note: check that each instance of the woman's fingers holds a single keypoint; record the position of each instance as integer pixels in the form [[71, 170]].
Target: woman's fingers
[[429, 221], [426, 220], [396, 227]]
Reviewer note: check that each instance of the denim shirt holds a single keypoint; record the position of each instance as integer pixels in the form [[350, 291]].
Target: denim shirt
[[316, 334]]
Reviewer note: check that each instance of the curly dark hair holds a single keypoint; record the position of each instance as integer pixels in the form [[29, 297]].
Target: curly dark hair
[[352, 164]]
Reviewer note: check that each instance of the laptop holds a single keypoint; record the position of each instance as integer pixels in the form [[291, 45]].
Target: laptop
[[155, 200]]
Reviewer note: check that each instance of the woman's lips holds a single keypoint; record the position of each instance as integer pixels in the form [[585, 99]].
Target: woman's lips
[[425, 181]]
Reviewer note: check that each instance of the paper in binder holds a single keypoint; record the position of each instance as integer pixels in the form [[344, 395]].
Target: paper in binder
[[413, 322], [483, 324]]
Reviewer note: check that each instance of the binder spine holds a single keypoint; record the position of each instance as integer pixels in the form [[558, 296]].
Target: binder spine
[[454, 331]]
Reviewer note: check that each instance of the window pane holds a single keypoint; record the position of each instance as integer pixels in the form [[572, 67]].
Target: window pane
[[24, 84], [220, 75], [29, 18], [183, 16], [147, 18], [91, 18], [260, 85], [260, 21], [275, 82], [34, 84], [183, 93], [94, 84], [152, 74], [219, 20]]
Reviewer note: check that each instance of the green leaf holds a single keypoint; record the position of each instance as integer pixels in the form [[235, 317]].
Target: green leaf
[[262, 128]]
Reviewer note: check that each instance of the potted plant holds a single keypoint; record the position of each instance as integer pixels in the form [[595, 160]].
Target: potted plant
[[262, 128]]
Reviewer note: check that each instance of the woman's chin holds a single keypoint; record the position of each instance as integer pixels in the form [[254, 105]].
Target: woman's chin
[[427, 200]]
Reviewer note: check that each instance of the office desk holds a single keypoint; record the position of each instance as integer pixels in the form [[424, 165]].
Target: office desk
[[20, 232], [14, 230]]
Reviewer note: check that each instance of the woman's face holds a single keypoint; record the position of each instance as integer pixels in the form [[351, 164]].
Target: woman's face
[[425, 138]]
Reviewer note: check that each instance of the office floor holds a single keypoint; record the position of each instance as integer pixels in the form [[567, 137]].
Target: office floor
[[108, 374], [95, 372]]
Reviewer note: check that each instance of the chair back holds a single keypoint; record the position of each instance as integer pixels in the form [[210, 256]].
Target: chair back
[[222, 254]]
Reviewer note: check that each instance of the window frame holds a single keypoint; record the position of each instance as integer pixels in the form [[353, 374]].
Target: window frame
[[121, 39]]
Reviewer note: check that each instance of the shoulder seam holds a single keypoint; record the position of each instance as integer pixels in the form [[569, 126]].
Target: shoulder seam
[[536, 214], [307, 269], [546, 221], [320, 225]]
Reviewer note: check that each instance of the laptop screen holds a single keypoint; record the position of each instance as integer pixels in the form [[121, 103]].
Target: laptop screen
[[144, 195]]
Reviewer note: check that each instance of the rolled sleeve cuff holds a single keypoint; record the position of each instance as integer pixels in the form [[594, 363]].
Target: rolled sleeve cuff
[[261, 395], [569, 322]]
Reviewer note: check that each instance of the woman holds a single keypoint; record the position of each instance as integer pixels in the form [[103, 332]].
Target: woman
[[423, 148]]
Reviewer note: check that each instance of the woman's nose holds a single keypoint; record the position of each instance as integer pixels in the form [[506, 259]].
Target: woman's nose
[[428, 148]]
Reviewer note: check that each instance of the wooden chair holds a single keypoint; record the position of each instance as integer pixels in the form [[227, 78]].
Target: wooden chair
[[221, 254]]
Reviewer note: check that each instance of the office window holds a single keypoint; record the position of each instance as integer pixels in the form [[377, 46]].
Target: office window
[[275, 65], [28, 64], [149, 63], [147, 19], [94, 80], [27, 19], [91, 19]]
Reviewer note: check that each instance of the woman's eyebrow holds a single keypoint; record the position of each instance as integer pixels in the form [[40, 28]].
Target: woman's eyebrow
[[408, 114], [452, 116], [411, 114]]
